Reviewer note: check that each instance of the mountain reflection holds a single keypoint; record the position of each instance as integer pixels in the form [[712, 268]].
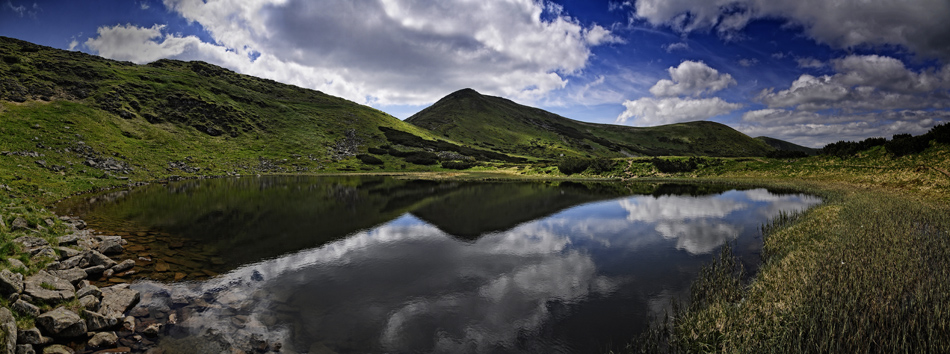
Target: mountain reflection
[[565, 278]]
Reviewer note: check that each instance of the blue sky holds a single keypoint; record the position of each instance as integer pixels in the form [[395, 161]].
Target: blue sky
[[807, 71]]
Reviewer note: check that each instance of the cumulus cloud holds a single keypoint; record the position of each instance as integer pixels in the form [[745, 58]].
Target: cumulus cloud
[[378, 51], [648, 111], [669, 48], [816, 130], [923, 26], [810, 62], [692, 78]]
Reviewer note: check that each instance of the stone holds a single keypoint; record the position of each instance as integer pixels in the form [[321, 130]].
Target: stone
[[10, 282], [47, 288], [89, 302], [128, 323], [89, 290], [96, 321], [58, 349], [179, 276], [43, 252], [103, 339], [67, 252], [94, 270], [123, 266], [72, 262], [70, 239], [16, 263], [25, 308], [61, 323], [72, 275], [152, 330], [9, 330], [119, 350], [117, 299], [110, 246], [161, 266], [96, 258], [139, 312], [25, 349], [30, 242], [30, 336], [19, 223], [108, 273]]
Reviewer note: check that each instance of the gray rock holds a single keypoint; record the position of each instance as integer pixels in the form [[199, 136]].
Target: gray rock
[[9, 330], [96, 258], [30, 336], [110, 246], [19, 224], [118, 299], [123, 266], [72, 275], [15, 263], [103, 339], [10, 282], [70, 239], [89, 302], [67, 252], [30, 242], [96, 321], [25, 308], [152, 330], [3, 224], [89, 290], [94, 270], [43, 252], [61, 323], [128, 323], [48, 288], [71, 262], [25, 349], [58, 349], [108, 273]]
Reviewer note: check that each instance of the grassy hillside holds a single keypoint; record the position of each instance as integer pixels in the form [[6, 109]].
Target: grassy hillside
[[783, 145], [502, 125]]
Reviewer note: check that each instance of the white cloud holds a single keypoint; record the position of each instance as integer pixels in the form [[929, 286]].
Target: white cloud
[[923, 26], [815, 130], [748, 62], [73, 44], [810, 62], [648, 111], [378, 51], [692, 78], [669, 48]]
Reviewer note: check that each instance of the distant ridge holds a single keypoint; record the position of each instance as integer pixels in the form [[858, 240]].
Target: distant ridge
[[786, 146], [496, 123]]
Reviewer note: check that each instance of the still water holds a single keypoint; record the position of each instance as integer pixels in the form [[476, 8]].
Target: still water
[[377, 264]]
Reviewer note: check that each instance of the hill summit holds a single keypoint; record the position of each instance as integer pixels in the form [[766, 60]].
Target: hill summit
[[500, 124]]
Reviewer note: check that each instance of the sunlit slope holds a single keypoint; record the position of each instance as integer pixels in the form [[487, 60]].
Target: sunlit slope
[[491, 122]]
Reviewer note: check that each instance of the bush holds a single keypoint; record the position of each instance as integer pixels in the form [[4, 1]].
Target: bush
[[572, 165], [602, 165], [940, 133], [422, 158], [786, 154], [457, 165], [905, 144], [674, 166], [369, 159], [849, 148], [378, 151]]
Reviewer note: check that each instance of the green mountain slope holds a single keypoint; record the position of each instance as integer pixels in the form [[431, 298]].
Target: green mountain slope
[[502, 125], [69, 119], [786, 146]]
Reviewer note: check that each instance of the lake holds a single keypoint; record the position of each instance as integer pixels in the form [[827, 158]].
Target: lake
[[379, 264]]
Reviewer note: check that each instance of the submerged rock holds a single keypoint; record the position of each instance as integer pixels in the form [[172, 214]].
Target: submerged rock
[[103, 339], [118, 299]]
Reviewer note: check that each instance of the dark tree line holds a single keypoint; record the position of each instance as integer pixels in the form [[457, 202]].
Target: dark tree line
[[899, 145]]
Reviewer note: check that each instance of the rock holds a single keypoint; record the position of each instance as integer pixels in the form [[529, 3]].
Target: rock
[[161, 266], [119, 350], [94, 270], [152, 330], [30, 336], [107, 273], [139, 312], [103, 339], [67, 252], [61, 323], [9, 330], [118, 299], [89, 290], [72, 275], [19, 224], [42, 253], [179, 276], [70, 239], [25, 308], [123, 266], [95, 258], [128, 323], [15, 263], [10, 282], [110, 246], [45, 287], [89, 302], [58, 349], [29, 242], [96, 321], [72, 262], [25, 349]]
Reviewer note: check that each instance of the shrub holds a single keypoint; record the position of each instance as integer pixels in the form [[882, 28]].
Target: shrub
[[602, 165], [674, 166], [457, 165], [572, 165], [785, 154], [940, 133], [369, 159], [905, 144], [422, 158], [378, 151]]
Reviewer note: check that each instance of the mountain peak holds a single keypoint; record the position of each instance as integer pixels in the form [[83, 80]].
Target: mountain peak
[[465, 92]]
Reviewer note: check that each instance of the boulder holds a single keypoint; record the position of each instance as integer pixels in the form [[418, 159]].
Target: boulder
[[43, 252], [70, 239], [94, 270], [96, 321], [25, 308], [61, 323], [89, 302], [31, 336], [16, 263], [123, 266], [30, 242], [58, 349], [67, 252], [110, 246], [25, 349], [19, 224], [48, 288], [94, 258], [72, 275], [118, 299], [103, 340], [9, 330], [89, 290], [10, 282]]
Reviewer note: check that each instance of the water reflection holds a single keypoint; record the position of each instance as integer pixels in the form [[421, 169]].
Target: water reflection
[[548, 269]]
